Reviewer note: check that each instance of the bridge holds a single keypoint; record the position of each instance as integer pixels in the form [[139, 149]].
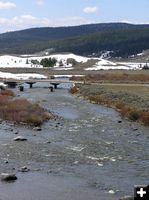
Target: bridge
[[55, 82]]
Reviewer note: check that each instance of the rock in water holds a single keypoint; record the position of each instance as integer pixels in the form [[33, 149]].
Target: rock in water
[[111, 192], [24, 169], [19, 138], [37, 128], [16, 132], [8, 177]]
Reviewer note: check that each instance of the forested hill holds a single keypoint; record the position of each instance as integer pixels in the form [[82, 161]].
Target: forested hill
[[120, 38]]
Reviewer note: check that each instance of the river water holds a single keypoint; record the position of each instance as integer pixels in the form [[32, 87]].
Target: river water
[[81, 156]]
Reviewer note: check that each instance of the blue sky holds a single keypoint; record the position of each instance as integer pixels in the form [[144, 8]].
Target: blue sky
[[22, 14]]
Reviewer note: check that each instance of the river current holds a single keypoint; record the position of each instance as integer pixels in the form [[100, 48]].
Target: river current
[[86, 154]]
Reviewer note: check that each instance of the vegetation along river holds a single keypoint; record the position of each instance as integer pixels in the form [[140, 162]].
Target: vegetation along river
[[87, 154]]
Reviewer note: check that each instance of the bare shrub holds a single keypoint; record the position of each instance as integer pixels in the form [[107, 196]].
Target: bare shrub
[[134, 115], [7, 93], [74, 90], [119, 105], [99, 99], [144, 118], [21, 110], [118, 77]]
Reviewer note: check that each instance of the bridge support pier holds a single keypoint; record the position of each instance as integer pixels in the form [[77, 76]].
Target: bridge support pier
[[21, 88], [55, 85], [30, 84], [51, 88]]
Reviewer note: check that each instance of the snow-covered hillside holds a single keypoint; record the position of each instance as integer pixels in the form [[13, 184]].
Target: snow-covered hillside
[[16, 61], [25, 61]]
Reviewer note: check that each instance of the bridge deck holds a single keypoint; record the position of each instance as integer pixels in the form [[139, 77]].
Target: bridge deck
[[57, 81]]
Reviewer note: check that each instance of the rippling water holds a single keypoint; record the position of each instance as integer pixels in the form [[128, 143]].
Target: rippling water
[[89, 153]]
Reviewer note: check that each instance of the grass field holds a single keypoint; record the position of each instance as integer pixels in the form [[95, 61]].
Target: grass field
[[139, 92]]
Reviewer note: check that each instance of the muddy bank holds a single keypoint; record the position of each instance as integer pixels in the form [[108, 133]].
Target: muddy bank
[[82, 156]]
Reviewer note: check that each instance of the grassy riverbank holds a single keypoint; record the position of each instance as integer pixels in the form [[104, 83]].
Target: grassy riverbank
[[21, 110], [130, 99]]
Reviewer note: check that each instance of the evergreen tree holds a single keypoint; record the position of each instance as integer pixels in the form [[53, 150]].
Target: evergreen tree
[[48, 62]]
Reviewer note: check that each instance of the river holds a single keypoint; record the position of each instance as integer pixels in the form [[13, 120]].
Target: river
[[81, 156]]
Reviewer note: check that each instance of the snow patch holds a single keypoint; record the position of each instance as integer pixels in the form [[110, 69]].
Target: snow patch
[[103, 64], [67, 76], [2, 84], [21, 76], [133, 65]]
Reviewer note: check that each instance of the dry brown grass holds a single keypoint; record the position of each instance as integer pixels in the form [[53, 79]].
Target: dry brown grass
[[144, 118], [7, 93], [74, 90], [21, 110], [114, 77], [99, 99]]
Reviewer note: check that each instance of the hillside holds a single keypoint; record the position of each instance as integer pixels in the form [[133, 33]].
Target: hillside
[[120, 39]]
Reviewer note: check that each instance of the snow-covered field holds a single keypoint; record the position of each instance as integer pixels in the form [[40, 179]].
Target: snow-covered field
[[25, 61], [103, 64], [15, 61], [9, 61]]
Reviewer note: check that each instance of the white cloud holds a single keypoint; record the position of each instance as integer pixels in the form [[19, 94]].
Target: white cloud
[[127, 21], [28, 18], [21, 22], [3, 21], [29, 21], [26, 21], [134, 22], [70, 21], [90, 10], [40, 2], [7, 5]]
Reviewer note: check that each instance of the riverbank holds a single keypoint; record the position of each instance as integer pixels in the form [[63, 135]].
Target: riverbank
[[126, 92], [132, 101]]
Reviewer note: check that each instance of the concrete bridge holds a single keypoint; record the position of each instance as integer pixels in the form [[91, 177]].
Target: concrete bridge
[[12, 83]]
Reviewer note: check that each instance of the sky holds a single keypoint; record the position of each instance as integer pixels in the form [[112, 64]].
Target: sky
[[22, 14]]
